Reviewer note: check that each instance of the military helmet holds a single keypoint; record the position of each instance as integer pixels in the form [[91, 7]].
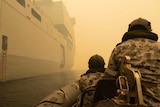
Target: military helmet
[[140, 23], [96, 61]]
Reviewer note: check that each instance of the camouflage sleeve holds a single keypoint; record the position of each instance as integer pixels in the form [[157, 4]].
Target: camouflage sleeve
[[81, 85], [112, 62], [89, 80]]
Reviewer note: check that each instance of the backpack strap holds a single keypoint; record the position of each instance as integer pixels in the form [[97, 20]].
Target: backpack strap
[[84, 92]]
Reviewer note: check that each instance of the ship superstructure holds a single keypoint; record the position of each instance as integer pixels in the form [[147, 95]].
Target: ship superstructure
[[36, 38]]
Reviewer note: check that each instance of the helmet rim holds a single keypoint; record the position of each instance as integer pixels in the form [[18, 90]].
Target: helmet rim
[[140, 22]]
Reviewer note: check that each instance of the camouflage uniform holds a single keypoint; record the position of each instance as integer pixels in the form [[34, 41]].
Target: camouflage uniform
[[145, 56], [88, 82]]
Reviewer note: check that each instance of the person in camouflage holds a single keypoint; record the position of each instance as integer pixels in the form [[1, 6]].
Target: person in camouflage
[[141, 45], [88, 81]]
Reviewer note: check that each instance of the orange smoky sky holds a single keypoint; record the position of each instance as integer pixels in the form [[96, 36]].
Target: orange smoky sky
[[100, 24]]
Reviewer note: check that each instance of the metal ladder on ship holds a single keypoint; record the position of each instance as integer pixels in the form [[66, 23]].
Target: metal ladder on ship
[[4, 59]]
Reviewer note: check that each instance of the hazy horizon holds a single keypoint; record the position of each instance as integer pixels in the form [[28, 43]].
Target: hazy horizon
[[100, 25]]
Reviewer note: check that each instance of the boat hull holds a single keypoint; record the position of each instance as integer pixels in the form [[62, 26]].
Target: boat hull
[[63, 97], [22, 67]]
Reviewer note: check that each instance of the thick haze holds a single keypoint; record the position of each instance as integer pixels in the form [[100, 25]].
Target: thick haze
[[100, 24]]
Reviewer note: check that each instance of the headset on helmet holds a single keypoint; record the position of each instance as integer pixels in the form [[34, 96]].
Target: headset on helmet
[[140, 22], [96, 61]]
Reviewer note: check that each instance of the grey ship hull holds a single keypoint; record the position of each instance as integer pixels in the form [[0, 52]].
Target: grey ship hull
[[33, 43]]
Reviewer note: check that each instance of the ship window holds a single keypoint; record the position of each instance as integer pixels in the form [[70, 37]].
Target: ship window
[[36, 15], [22, 2]]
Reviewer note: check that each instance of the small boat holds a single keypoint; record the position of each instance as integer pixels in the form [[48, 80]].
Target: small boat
[[63, 97], [125, 91]]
